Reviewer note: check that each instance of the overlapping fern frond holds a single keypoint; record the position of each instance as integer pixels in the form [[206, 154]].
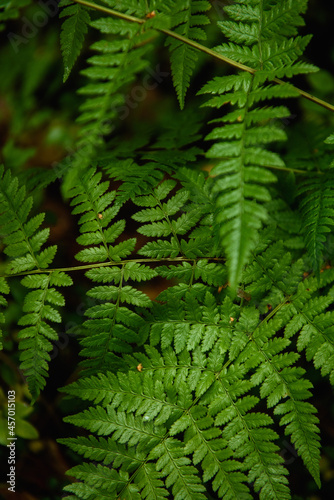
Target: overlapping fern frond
[[23, 240], [317, 211], [111, 327], [160, 219], [242, 173], [304, 301], [119, 58], [74, 29], [308, 151], [276, 286], [188, 17], [313, 320], [141, 162], [117, 62], [170, 215], [191, 382]]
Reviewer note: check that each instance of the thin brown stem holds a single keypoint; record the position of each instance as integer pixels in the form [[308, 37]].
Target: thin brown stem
[[107, 264]]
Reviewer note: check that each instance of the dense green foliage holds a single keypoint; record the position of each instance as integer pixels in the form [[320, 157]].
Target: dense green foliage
[[186, 395]]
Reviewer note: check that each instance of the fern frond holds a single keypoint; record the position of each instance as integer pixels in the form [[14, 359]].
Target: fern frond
[[315, 197], [73, 32], [136, 180], [108, 75], [286, 223], [317, 211], [182, 396], [122, 426], [301, 301], [22, 237], [209, 272], [222, 396], [92, 199], [128, 458], [104, 450], [272, 276], [240, 212], [115, 326], [251, 439], [24, 240], [198, 186], [111, 327], [197, 395], [37, 336], [116, 64], [165, 221], [272, 271], [266, 45], [279, 380], [187, 19], [284, 18], [204, 441], [242, 170], [179, 473], [309, 317]]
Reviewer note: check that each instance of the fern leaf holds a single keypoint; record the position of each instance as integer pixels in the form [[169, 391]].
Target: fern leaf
[[301, 303], [280, 380], [74, 29], [272, 276], [150, 484], [160, 249], [100, 481], [115, 326], [164, 221], [24, 240], [250, 437], [92, 199], [138, 409], [188, 19], [110, 72], [122, 426], [37, 336], [105, 450], [177, 470], [284, 18], [222, 395], [317, 211], [240, 188], [136, 181], [314, 324]]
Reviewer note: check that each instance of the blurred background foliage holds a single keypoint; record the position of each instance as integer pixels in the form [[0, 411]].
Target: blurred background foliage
[[37, 131]]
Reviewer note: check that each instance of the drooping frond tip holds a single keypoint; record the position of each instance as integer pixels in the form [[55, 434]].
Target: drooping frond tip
[[243, 172]]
